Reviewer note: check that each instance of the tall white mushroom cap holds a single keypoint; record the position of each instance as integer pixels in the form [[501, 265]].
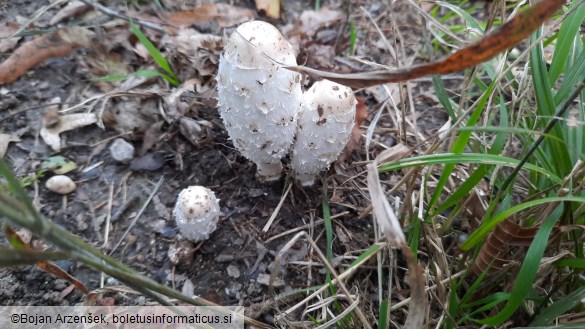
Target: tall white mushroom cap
[[324, 127], [196, 213], [258, 101]]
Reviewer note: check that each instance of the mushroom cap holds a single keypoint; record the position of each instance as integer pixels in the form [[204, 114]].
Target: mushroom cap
[[267, 40], [259, 101], [196, 213], [324, 127]]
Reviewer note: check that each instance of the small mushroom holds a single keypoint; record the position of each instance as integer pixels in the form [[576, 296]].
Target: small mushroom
[[196, 213], [61, 184], [324, 127], [258, 100]]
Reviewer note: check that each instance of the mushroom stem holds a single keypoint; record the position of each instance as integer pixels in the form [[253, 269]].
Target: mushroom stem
[[269, 172]]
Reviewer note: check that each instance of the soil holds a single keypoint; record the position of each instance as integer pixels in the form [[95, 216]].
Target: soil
[[229, 267]]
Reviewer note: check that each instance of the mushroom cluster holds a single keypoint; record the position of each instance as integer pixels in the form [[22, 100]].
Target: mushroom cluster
[[263, 107]]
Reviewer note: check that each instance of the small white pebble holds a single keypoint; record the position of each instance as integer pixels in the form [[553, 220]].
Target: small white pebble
[[122, 151], [264, 279], [61, 184], [233, 271]]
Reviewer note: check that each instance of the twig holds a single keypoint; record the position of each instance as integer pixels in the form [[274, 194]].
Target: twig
[[156, 187], [276, 210], [113, 13]]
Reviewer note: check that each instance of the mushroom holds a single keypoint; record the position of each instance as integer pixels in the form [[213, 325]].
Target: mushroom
[[197, 213], [259, 101], [324, 127]]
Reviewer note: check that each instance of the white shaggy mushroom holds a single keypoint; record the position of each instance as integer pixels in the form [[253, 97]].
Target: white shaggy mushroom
[[324, 127], [196, 213], [258, 101]]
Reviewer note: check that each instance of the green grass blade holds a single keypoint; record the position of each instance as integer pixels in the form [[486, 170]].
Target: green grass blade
[[559, 307], [528, 271], [14, 257], [508, 130], [574, 75], [569, 30], [155, 53], [352, 38], [463, 14], [577, 263], [547, 107], [328, 234], [488, 302], [482, 170], [443, 97], [374, 249], [452, 159], [112, 77], [15, 188], [328, 224], [460, 144], [383, 319]]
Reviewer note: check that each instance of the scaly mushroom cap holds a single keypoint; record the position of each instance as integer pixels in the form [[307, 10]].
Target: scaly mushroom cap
[[324, 127], [258, 101], [196, 213]]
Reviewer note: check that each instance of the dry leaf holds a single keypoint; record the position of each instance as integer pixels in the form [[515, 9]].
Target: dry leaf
[[494, 253], [50, 133], [73, 8], [311, 21], [197, 53], [45, 265], [5, 139], [7, 29], [221, 14], [151, 137], [193, 130], [418, 298], [270, 8], [133, 116], [30, 54], [385, 216]]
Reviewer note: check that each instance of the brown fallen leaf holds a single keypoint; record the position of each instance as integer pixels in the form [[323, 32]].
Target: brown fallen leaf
[[6, 29], [221, 14], [501, 39], [50, 132], [45, 265], [197, 53], [311, 21], [418, 297], [495, 252], [5, 139], [72, 8], [271, 8], [32, 53], [383, 212]]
